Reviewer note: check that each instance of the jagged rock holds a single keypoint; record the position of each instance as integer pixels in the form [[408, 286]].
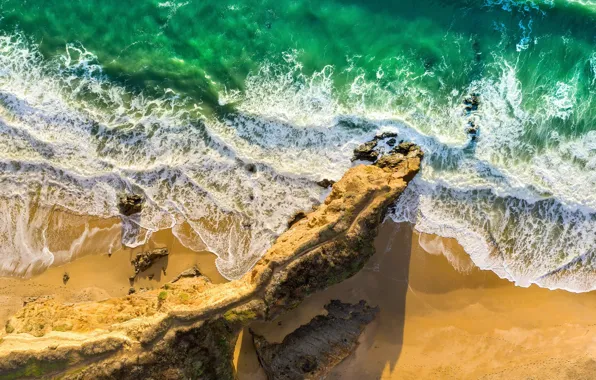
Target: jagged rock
[[314, 349], [190, 332], [130, 204], [296, 218], [326, 183], [385, 135], [472, 102], [391, 142], [366, 152], [145, 260], [189, 273], [403, 148], [472, 130]]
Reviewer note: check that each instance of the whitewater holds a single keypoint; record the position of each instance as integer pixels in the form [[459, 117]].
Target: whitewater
[[520, 198]]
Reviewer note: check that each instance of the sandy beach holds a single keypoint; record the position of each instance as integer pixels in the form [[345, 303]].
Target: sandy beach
[[97, 272], [439, 322], [441, 317]]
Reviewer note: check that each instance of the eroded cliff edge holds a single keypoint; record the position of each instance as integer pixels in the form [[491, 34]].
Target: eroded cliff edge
[[188, 329]]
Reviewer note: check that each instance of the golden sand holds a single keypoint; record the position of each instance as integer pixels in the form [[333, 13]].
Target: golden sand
[[94, 273], [439, 322], [441, 317]]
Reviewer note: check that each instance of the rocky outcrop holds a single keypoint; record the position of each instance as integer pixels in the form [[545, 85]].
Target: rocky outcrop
[[366, 152], [148, 334], [314, 349], [369, 151], [145, 260], [130, 204]]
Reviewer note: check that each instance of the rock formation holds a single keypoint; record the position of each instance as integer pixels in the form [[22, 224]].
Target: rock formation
[[314, 349], [145, 260], [188, 329], [130, 204]]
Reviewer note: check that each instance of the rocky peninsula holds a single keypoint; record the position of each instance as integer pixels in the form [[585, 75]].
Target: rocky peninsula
[[188, 328]]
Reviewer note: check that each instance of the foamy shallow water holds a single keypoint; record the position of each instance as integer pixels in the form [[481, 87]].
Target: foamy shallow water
[[520, 199]]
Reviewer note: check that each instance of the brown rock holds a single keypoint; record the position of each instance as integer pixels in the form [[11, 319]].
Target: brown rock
[[145, 260], [190, 332], [314, 349], [366, 152], [130, 204]]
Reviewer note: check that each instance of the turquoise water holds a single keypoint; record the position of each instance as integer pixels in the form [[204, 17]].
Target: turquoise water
[[175, 98]]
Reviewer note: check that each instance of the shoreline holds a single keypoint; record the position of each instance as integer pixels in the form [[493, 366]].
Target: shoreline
[[98, 276], [439, 322], [441, 316]]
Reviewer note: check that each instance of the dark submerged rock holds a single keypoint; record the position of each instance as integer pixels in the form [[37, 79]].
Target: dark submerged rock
[[130, 204], [472, 129], [385, 135], [251, 168], [65, 278], [391, 142], [314, 349], [472, 102], [145, 260], [325, 183]]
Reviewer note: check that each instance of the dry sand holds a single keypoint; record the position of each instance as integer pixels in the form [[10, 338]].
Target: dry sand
[[439, 322], [441, 317]]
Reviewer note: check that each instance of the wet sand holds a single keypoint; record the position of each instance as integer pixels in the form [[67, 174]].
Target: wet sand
[[439, 322], [100, 269]]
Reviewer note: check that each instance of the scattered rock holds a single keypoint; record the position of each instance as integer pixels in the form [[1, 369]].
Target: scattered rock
[[385, 135], [192, 272], [366, 152], [369, 152], [391, 142], [130, 204], [403, 148], [314, 349], [296, 218], [65, 278], [251, 168], [472, 102], [132, 291], [27, 300], [326, 183], [472, 129], [151, 276], [131, 279], [145, 260]]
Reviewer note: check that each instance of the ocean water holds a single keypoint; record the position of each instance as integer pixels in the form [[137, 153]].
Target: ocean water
[[179, 99]]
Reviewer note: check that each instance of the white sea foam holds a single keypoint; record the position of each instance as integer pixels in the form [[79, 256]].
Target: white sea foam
[[72, 138]]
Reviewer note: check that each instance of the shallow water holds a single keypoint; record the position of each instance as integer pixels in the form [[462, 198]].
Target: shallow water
[[174, 100]]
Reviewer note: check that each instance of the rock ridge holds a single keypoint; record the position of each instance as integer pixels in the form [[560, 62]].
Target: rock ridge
[[188, 329]]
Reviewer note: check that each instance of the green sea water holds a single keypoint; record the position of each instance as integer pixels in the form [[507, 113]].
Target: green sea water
[[174, 98]]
